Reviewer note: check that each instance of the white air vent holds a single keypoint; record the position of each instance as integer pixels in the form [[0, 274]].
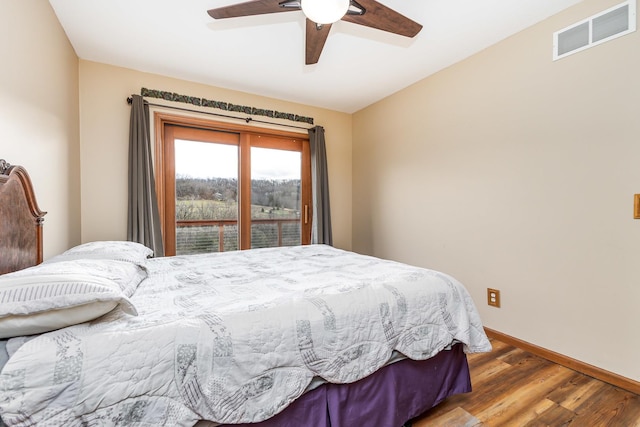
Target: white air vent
[[605, 26]]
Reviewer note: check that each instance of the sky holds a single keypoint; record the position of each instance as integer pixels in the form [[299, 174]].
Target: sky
[[206, 160]]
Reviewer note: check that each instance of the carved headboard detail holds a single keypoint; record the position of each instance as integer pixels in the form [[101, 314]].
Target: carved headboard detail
[[20, 220]]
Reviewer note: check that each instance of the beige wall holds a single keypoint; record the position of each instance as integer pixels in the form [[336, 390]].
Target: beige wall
[[104, 119], [514, 172], [39, 113]]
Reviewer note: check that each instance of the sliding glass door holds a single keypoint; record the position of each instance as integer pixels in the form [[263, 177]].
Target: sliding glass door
[[223, 190]]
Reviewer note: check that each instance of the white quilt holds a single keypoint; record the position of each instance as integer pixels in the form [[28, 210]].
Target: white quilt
[[235, 337]]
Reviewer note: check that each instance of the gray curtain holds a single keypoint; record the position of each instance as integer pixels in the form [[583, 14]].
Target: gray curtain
[[321, 224], [143, 222]]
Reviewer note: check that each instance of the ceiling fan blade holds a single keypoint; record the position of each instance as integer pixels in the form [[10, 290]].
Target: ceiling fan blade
[[315, 38], [256, 7], [383, 18]]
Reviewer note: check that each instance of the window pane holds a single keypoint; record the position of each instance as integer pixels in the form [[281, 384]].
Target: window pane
[[206, 197], [275, 197]]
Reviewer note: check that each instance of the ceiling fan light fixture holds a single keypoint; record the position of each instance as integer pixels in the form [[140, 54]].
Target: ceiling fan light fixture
[[324, 11]]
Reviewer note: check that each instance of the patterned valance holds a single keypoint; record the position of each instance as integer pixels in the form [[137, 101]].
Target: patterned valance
[[226, 106]]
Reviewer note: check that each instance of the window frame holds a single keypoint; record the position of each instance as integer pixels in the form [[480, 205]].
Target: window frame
[[246, 137]]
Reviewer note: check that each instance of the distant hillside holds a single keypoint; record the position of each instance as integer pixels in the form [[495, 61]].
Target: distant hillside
[[269, 193]]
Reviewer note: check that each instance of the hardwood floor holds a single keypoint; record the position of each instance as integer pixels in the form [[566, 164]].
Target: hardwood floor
[[512, 387]]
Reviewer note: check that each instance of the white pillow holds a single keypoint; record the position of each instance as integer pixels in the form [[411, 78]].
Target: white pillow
[[117, 250], [52, 296]]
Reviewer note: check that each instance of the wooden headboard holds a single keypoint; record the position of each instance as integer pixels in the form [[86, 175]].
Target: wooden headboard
[[20, 220]]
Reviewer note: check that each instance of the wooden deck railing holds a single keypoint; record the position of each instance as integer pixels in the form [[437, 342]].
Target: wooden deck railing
[[231, 222]]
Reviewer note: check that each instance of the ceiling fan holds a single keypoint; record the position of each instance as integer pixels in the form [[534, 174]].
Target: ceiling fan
[[320, 14]]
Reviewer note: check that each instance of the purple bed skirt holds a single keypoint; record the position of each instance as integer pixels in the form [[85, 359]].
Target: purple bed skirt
[[391, 396]]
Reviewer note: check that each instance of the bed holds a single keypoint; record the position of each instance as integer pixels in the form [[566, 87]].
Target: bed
[[104, 334]]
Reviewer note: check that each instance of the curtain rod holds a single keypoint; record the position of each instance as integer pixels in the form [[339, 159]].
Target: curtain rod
[[246, 119]]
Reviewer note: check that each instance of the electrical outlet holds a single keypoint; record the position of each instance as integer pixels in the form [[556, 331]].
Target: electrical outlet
[[493, 297]]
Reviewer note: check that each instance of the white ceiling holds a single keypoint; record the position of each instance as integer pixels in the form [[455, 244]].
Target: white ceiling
[[264, 54]]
